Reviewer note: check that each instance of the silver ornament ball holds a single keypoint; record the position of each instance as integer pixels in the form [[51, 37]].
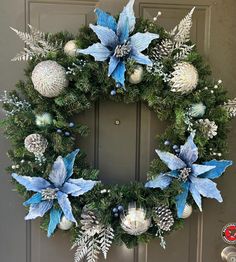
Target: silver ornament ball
[[70, 48], [49, 78], [187, 211], [134, 221], [36, 143], [137, 76], [65, 224]]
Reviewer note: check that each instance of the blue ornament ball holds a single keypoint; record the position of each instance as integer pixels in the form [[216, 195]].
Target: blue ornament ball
[[71, 124], [115, 210], [167, 143], [67, 133], [175, 147], [116, 214], [59, 131], [113, 92], [120, 208]]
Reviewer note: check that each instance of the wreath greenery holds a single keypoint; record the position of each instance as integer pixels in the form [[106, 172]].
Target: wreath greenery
[[88, 83]]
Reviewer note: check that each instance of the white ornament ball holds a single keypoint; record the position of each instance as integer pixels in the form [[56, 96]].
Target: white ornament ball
[[187, 211], [65, 224], [49, 78], [70, 48], [43, 119], [137, 76], [184, 78]]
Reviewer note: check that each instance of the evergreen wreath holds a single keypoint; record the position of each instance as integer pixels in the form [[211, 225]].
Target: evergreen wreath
[[65, 76]]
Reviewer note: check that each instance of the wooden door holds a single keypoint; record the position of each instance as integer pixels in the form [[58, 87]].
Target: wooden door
[[122, 152]]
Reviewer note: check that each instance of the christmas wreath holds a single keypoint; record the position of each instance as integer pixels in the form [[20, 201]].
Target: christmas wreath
[[127, 60]]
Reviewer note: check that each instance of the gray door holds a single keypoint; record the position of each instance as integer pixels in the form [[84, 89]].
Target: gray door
[[133, 141]]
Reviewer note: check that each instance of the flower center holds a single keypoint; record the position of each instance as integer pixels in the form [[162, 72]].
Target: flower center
[[122, 50], [49, 193], [184, 174]]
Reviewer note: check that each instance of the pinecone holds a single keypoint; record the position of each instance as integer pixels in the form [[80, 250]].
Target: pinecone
[[230, 107], [164, 218], [90, 224], [162, 50], [207, 127], [35, 143]]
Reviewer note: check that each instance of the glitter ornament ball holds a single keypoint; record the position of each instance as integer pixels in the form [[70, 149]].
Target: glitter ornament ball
[[36, 144], [49, 78], [187, 211], [70, 48], [137, 76], [65, 224], [134, 221], [44, 119], [184, 78]]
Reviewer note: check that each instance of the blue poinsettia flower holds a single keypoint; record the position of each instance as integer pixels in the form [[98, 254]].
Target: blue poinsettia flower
[[57, 188], [194, 178], [116, 43]]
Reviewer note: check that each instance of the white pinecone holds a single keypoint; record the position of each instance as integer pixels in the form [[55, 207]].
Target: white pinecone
[[207, 127], [230, 107], [49, 78], [164, 218], [36, 144], [184, 78]]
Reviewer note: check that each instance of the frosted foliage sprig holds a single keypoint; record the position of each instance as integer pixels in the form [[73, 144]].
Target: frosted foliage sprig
[[230, 107], [37, 44], [14, 103], [89, 245]]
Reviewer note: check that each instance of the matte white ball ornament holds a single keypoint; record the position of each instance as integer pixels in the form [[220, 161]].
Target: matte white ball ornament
[[70, 48], [184, 78], [49, 78], [65, 224], [137, 76], [187, 211]]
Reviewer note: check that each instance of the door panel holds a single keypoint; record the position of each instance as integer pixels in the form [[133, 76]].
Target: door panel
[[121, 151]]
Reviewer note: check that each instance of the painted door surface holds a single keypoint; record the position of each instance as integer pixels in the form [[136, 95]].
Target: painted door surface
[[132, 141]]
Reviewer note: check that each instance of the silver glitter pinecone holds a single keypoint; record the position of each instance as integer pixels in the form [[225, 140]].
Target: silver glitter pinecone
[[90, 224], [36, 144], [164, 218], [49, 78], [207, 127]]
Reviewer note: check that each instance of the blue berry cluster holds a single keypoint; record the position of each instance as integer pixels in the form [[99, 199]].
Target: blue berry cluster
[[117, 210], [66, 133], [174, 147]]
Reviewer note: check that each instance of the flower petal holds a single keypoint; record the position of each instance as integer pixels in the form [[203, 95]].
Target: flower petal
[[123, 30], [220, 167], [83, 185], [107, 36], [35, 199], [172, 161], [55, 218], [181, 199], [196, 196], [98, 51], [104, 19], [206, 188], [141, 41], [114, 61], [65, 205], [119, 74], [140, 58], [127, 14], [189, 151], [38, 210], [35, 184], [69, 161], [69, 188], [161, 181], [200, 169], [58, 174]]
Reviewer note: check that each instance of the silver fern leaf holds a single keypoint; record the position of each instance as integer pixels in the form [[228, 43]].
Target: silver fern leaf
[[183, 30], [82, 247], [37, 44], [93, 249], [184, 51], [107, 235]]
